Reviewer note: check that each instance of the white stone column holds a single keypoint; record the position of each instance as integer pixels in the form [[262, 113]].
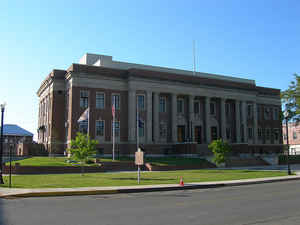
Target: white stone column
[[238, 121], [156, 116], [223, 119], [174, 118], [191, 116], [149, 117], [244, 120], [131, 115], [207, 120], [254, 123]]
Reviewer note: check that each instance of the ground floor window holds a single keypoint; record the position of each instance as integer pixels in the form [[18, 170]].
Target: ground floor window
[[100, 128], [163, 130], [228, 133], [214, 133], [83, 127], [116, 128]]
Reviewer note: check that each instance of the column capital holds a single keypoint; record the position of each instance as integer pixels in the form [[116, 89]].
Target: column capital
[[149, 92]]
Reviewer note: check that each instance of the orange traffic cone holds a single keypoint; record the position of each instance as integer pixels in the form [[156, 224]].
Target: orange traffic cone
[[181, 182]]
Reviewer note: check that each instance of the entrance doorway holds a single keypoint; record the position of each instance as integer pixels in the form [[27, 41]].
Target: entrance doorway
[[181, 133], [198, 134]]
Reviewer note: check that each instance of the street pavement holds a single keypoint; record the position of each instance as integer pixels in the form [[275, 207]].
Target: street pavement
[[259, 204]]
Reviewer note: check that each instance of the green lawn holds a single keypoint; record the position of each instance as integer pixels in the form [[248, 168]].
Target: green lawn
[[123, 179], [47, 161], [61, 161]]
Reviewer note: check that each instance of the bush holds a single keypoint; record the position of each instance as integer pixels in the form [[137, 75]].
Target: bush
[[293, 159], [220, 149], [89, 161]]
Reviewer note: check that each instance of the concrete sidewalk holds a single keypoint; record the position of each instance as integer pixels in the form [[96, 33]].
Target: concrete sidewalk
[[46, 192]]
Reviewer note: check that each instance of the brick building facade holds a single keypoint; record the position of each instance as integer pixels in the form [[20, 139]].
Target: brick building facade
[[179, 110], [294, 137], [13, 136]]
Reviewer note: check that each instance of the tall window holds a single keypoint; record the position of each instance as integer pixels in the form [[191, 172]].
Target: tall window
[[275, 114], [268, 133], [276, 134], [258, 112], [180, 105], [163, 130], [99, 128], [227, 109], [141, 102], [249, 111], [162, 104], [84, 99], [100, 100], [250, 132], [116, 101], [259, 133], [141, 128], [212, 108], [116, 126], [294, 135], [284, 136], [267, 113], [83, 127], [196, 107]]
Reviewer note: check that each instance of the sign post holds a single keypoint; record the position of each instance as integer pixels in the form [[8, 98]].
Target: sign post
[[139, 161]]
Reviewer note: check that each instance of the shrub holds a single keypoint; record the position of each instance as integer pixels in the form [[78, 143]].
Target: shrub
[[293, 159], [220, 149], [89, 161]]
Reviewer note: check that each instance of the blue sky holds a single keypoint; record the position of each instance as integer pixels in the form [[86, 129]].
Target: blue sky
[[250, 39]]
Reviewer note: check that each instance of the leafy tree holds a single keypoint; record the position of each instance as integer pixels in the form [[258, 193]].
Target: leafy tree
[[220, 149], [291, 98], [82, 148]]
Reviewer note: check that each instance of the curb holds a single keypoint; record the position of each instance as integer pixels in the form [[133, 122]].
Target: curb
[[146, 189]]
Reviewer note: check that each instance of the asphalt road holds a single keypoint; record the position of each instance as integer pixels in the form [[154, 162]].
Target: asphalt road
[[262, 204]]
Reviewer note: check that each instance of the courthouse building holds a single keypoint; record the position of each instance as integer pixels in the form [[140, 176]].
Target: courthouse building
[[179, 111]]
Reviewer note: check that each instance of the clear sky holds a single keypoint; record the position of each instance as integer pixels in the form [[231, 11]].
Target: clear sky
[[251, 39]]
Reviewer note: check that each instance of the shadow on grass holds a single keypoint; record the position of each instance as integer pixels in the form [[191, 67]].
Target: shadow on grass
[[145, 179], [248, 171], [3, 214]]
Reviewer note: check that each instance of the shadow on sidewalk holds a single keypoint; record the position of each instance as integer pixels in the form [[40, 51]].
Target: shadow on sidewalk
[[3, 216]]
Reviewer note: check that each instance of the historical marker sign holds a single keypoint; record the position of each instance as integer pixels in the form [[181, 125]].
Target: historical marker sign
[[139, 158]]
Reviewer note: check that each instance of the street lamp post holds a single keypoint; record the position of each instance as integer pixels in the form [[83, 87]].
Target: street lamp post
[[10, 155], [286, 115], [2, 106]]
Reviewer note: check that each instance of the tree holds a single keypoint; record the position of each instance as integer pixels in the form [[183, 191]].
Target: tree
[[291, 98], [220, 149], [82, 148]]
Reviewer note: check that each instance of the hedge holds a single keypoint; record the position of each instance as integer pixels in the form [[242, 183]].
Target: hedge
[[293, 159]]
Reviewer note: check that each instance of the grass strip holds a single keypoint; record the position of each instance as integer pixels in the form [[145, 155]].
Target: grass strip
[[127, 179]]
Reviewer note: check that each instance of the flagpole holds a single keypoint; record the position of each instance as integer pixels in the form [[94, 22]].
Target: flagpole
[[194, 56], [113, 152], [88, 131], [137, 124]]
